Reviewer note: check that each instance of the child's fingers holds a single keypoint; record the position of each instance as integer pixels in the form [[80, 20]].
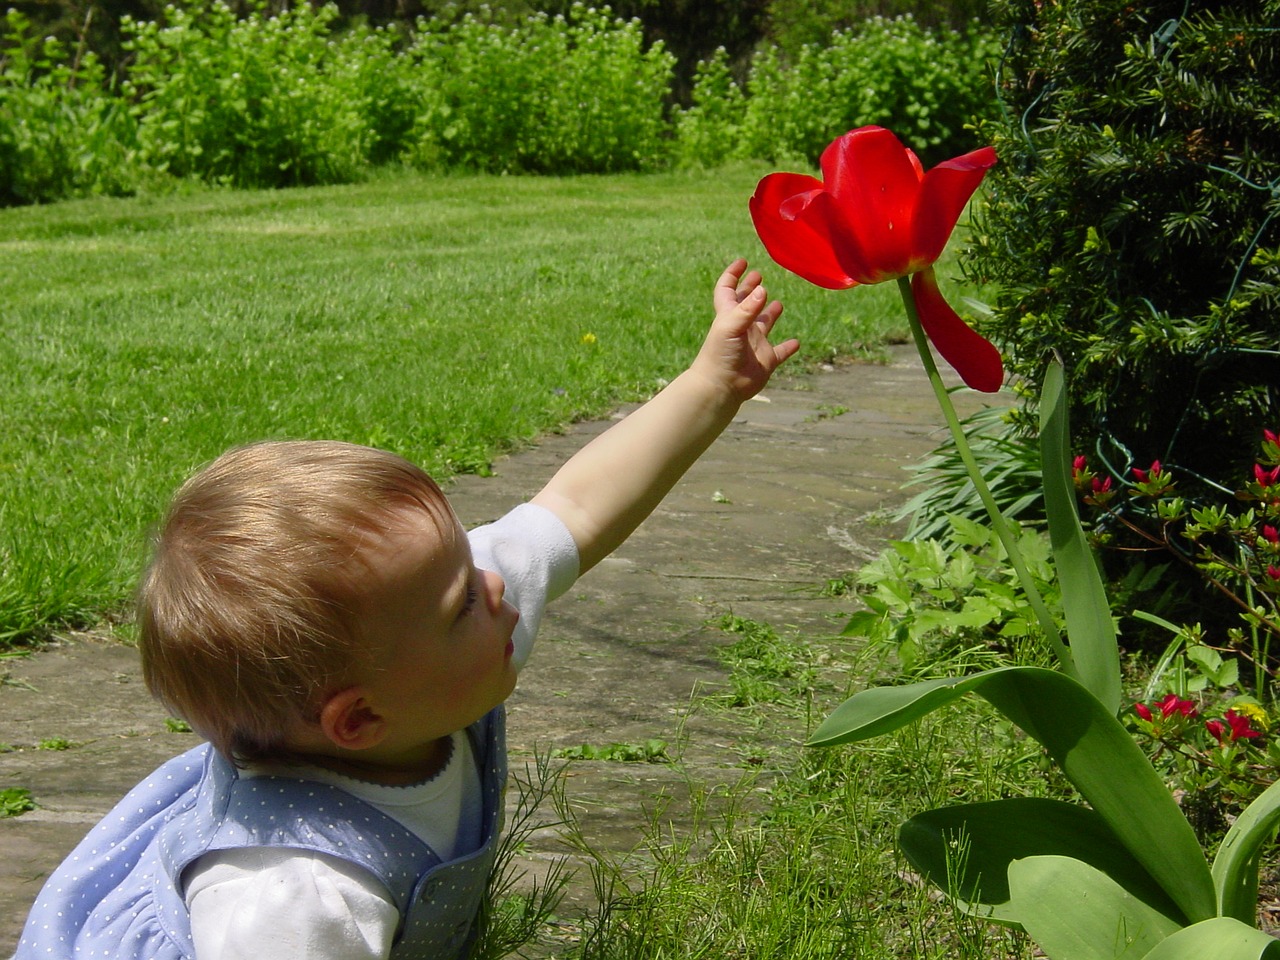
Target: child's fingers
[[750, 282], [741, 314], [769, 316], [726, 290], [786, 350]]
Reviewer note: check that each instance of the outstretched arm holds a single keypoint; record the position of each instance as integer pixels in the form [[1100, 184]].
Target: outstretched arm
[[605, 490]]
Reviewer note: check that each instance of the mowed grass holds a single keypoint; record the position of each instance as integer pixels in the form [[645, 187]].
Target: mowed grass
[[448, 319]]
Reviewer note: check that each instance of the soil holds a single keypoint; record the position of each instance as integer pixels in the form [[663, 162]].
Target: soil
[[796, 491]]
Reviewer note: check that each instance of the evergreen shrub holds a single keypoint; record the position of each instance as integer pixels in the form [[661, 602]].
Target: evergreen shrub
[[1131, 225]]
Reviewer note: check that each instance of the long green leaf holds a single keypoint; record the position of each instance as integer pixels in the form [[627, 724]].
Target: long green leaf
[[880, 710], [1220, 938], [1086, 740], [1235, 866], [1091, 632], [1075, 912], [966, 850]]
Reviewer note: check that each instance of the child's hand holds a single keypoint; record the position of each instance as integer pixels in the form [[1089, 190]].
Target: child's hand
[[609, 486], [737, 353]]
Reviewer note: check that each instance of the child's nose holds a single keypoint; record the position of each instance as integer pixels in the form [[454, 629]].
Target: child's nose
[[494, 588]]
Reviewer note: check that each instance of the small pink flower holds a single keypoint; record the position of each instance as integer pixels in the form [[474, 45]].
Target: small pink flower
[[1273, 572], [1271, 534], [1144, 476], [1100, 492], [1172, 704], [1265, 477], [1142, 710], [1236, 728]]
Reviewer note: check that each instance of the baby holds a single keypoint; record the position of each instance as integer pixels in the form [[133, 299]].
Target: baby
[[316, 611]]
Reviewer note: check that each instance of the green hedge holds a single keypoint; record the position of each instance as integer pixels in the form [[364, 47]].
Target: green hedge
[[289, 99], [550, 95], [928, 86], [62, 132]]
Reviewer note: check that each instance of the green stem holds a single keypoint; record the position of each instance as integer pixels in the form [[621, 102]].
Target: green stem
[[998, 523]]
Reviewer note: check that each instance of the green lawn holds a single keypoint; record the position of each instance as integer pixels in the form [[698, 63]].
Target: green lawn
[[444, 318]]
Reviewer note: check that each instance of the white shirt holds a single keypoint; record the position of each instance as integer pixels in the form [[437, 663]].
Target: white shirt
[[238, 898]]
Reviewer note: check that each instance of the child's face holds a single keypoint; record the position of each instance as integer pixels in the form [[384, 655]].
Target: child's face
[[440, 632]]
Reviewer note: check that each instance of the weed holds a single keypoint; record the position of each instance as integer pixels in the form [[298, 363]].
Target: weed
[[15, 801], [512, 919], [55, 743], [763, 666], [651, 751]]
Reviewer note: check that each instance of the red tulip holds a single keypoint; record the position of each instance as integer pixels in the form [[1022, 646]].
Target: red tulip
[[877, 215]]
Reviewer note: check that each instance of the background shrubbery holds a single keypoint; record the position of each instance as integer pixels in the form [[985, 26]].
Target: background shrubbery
[[62, 131], [926, 85], [306, 95], [581, 94]]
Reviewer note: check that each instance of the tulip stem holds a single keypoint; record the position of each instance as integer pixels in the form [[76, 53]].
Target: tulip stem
[[998, 522]]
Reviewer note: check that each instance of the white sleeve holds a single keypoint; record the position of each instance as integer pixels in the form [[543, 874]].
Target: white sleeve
[[274, 903], [535, 554]]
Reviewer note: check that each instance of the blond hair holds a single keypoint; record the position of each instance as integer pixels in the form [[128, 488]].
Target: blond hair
[[246, 611]]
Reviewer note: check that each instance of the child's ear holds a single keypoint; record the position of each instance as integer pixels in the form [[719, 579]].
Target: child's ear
[[349, 721]]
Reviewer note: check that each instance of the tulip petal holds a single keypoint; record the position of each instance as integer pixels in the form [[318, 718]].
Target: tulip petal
[[875, 182], [944, 191], [798, 239], [972, 355]]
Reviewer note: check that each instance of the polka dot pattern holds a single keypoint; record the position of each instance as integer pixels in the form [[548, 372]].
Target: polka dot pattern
[[118, 894]]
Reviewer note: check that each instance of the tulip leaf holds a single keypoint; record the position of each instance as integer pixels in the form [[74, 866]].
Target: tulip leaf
[[1219, 938], [1091, 633], [1075, 912], [1086, 740], [1235, 867], [880, 710], [966, 850]]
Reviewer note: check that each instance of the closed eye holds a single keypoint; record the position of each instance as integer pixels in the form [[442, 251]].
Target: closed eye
[[469, 604]]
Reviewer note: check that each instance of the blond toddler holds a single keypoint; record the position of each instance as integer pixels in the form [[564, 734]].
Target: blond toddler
[[317, 612]]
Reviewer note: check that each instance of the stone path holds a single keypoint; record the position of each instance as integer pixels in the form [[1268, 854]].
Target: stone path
[[792, 494]]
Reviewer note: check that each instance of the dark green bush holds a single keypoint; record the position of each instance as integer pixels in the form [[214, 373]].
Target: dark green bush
[[1131, 226]]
